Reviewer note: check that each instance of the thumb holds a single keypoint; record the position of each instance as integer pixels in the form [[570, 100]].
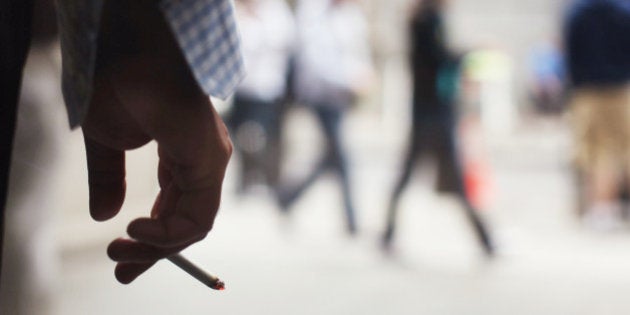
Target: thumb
[[106, 178]]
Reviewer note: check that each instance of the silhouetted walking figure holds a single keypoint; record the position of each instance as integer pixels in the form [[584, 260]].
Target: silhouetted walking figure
[[433, 128], [332, 68], [267, 29]]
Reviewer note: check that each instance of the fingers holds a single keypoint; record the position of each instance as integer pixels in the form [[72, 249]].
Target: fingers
[[106, 178], [178, 219], [166, 202], [164, 174], [189, 219], [194, 150], [135, 258], [127, 272], [173, 231], [130, 251]]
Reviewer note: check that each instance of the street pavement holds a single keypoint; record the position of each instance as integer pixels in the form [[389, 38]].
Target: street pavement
[[305, 263]]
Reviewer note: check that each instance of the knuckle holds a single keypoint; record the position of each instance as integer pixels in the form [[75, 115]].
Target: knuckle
[[202, 236], [227, 148], [205, 226]]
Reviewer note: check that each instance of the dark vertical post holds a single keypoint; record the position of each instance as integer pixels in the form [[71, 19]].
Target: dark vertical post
[[15, 34]]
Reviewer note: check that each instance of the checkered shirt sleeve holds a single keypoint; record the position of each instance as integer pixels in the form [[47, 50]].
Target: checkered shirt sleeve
[[207, 34]]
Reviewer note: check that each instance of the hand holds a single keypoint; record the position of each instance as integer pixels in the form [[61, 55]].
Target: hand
[[135, 103]]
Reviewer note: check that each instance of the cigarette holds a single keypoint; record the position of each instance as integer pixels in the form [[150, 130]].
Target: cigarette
[[190, 268]]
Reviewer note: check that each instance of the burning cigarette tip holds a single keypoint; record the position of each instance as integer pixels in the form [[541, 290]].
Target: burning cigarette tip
[[220, 285]]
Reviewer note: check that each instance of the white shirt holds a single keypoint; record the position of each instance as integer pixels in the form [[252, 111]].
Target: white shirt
[[267, 39], [333, 51]]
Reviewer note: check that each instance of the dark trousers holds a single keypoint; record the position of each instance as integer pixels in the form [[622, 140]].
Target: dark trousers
[[255, 126], [330, 118], [433, 138], [15, 33], [436, 137]]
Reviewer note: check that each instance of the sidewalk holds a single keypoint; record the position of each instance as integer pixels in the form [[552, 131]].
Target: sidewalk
[[305, 264]]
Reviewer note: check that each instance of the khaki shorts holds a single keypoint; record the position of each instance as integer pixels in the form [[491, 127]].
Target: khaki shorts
[[601, 120]]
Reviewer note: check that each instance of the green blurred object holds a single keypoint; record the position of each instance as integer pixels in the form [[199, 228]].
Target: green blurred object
[[448, 81]]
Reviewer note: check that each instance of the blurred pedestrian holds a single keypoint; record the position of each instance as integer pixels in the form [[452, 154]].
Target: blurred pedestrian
[[267, 32], [547, 88], [598, 54], [333, 68], [433, 131]]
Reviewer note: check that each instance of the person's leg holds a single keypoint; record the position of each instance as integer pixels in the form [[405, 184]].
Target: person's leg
[[15, 33], [579, 114], [288, 195], [331, 119], [276, 152], [264, 115], [607, 156], [602, 179], [270, 157], [410, 161], [250, 139], [625, 189]]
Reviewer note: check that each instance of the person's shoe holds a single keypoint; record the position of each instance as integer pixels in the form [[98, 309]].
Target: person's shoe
[[386, 239], [603, 218], [284, 199], [352, 229]]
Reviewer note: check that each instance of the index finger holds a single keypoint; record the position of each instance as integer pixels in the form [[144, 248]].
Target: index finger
[[106, 179]]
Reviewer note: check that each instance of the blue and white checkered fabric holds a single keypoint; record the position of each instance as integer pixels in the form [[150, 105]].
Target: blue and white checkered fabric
[[207, 34]]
